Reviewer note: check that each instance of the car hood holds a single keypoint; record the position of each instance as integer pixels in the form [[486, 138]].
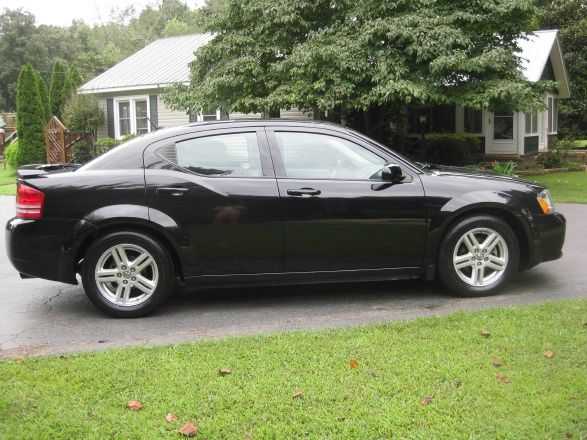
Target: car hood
[[443, 170]]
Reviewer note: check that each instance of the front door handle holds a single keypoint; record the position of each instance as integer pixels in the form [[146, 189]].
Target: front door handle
[[176, 192], [304, 192]]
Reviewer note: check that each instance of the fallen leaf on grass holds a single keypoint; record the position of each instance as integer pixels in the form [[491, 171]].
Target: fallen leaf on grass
[[170, 417], [20, 361], [224, 371], [134, 405], [497, 362], [354, 363], [548, 354], [189, 430], [502, 379], [297, 394], [485, 333], [371, 373], [426, 400]]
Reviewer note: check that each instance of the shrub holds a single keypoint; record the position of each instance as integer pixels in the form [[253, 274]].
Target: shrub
[[550, 160], [82, 152], [505, 168], [58, 77], [104, 144], [11, 155], [128, 137], [82, 113], [573, 166], [450, 148]]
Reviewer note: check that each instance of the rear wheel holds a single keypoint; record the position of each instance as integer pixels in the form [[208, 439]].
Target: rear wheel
[[127, 274], [477, 256]]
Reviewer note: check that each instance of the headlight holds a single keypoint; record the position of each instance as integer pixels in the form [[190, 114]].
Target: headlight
[[545, 202]]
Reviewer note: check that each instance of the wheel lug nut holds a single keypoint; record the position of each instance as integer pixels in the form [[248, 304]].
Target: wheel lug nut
[[133, 269], [126, 282], [123, 267], [479, 263], [134, 278], [484, 251], [476, 250], [486, 259], [118, 275]]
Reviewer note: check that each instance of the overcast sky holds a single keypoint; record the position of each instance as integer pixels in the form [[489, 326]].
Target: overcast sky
[[62, 12]]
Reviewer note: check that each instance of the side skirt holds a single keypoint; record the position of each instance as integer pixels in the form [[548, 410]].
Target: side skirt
[[264, 279]]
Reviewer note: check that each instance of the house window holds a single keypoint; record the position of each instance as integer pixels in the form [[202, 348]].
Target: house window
[[132, 116], [209, 114], [532, 123], [552, 115], [503, 127], [473, 121]]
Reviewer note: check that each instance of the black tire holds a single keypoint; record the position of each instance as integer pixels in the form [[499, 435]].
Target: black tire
[[459, 281], [146, 291]]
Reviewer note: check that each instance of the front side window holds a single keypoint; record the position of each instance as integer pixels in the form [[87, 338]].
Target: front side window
[[132, 116], [318, 156], [234, 155]]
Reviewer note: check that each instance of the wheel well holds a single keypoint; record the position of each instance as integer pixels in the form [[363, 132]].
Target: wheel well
[[120, 227], [510, 219]]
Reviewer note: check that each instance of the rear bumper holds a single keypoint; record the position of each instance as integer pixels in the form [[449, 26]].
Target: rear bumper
[[46, 248], [548, 238]]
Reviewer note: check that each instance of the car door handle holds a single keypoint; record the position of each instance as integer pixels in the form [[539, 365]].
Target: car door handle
[[304, 192], [176, 192]]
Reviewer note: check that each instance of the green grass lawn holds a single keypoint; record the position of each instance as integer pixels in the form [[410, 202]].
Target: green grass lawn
[[581, 143], [7, 182], [447, 359], [565, 187]]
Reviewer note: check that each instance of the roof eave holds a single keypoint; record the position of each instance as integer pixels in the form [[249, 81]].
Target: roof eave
[[100, 90]]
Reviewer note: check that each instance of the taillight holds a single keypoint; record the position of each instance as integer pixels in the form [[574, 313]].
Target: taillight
[[29, 202]]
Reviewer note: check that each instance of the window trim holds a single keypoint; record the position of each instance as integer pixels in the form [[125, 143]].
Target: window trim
[[133, 113]]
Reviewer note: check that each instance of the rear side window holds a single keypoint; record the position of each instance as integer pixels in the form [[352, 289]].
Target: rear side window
[[235, 155]]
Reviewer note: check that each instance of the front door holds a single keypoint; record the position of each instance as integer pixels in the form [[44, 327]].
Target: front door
[[338, 214], [502, 133]]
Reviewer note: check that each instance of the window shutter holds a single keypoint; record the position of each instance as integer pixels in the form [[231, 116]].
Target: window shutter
[[154, 114], [193, 117], [110, 116]]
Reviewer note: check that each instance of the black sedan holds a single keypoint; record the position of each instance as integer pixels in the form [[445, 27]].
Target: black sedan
[[269, 202]]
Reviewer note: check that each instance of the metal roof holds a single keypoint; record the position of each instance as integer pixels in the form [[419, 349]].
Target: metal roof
[[536, 48], [161, 63]]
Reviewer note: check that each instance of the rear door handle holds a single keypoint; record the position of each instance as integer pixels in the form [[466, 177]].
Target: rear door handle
[[176, 192], [304, 192]]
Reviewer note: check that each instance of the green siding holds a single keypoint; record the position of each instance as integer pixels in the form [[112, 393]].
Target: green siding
[[530, 145]]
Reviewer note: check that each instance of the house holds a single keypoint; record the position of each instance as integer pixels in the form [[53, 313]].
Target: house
[[130, 93], [505, 133]]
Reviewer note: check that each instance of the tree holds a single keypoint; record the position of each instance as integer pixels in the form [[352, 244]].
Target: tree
[[58, 78], [570, 17], [42, 89], [68, 89], [346, 55], [30, 122], [76, 77], [82, 113]]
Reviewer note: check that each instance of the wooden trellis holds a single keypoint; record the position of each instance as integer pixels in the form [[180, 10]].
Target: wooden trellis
[[58, 141]]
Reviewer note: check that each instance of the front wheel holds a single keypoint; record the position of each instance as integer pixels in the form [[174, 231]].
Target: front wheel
[[127, 274], [477, 256]]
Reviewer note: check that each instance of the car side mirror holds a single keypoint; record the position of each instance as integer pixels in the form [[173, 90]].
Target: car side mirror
[[391, 172]]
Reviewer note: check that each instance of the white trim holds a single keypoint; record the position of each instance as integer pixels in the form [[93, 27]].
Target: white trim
[[548, 113], [133, 117], [83, 91]]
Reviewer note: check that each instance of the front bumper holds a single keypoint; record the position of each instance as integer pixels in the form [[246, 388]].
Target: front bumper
[[46, 248], [548, 238]]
